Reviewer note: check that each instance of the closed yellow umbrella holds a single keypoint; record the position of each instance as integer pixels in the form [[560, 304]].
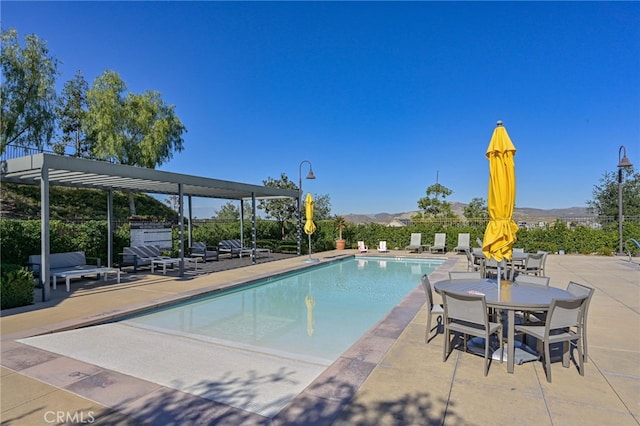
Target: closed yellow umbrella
[[309, 226], [501, 229]]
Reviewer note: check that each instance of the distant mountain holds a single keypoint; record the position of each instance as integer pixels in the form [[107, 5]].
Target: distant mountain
[[524, 214]]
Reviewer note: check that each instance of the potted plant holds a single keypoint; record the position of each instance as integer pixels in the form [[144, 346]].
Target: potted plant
[[340, 224]]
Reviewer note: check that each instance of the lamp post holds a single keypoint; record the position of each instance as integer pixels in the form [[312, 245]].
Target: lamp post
[[623, 161], [309, 176]]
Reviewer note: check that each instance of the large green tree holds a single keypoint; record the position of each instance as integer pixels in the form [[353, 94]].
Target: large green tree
[[321, 207], [476, 209], [128, 128], [229, 212], [434, 204], [27, 92], [605, 194], [71, 111], [282, 210]]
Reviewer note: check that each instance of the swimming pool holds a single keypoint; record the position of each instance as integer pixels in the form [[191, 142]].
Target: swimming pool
[[315, 314], [258, 346]]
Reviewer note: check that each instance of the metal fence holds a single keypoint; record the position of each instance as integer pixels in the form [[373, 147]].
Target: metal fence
[[15, 151]]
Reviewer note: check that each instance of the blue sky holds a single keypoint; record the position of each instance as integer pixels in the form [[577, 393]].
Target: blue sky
[[381, 97]]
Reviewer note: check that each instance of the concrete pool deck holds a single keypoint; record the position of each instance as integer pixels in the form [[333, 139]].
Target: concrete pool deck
[[390, 377]]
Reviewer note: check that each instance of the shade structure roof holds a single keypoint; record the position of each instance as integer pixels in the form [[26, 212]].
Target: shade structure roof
[[83, 173]]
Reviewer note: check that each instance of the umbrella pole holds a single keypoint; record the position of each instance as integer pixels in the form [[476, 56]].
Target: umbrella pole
[[499, 283]]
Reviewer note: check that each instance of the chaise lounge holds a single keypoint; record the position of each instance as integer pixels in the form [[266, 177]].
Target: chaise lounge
[[199, 249], [235, 248], [415, 243]]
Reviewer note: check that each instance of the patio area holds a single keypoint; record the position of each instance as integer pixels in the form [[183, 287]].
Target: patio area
[[390, 377]]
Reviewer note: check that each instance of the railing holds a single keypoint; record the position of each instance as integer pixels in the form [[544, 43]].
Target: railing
[[14, 151], [631, 245]]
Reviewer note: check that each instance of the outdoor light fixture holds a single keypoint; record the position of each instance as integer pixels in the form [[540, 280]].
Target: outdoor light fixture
[[310, 175], [623, 161]]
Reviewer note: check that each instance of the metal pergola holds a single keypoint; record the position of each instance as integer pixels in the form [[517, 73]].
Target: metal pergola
[[50, 169]]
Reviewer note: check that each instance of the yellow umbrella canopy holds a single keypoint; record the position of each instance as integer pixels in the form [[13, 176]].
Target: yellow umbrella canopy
[[309, 226], [501, 229]]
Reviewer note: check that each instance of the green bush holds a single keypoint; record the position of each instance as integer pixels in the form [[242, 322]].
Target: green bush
[[16, 286]]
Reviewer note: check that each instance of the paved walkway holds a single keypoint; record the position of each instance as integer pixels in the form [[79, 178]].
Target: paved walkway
[[390, 377]]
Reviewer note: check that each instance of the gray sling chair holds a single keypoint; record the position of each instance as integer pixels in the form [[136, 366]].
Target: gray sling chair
[[473, 263], [582, 290], [432, 309], [563, 316], [577, 290], [456, 275], [467, 314]]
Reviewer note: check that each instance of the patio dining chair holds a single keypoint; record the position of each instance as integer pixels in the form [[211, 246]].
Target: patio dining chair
[[534, 264], [467, 314], [432, 308], [544, 254], [473, 263], [458, 275], [532, 279], [563, 316], [582, 290]]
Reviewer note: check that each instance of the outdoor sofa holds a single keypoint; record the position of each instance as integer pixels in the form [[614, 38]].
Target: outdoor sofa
[[59, 263]]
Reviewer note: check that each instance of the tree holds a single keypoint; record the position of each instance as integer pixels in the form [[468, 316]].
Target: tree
[[605, 195], [71, 111], [229, 212], [281, 209], [173, 201], [136, 130], [432, 205], [27, 92], [321, 207], [476, 209]]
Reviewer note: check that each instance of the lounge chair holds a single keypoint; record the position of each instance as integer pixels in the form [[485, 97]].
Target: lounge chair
[[463, 243], [235, 248], [382, 247], [362, 248], [200, 249], [439, 243], [416, 243]]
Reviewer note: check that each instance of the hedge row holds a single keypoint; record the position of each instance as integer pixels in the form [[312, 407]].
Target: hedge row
[[21, 238]]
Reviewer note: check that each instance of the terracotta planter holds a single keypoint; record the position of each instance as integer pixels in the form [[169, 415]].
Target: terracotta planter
[[340, 244]]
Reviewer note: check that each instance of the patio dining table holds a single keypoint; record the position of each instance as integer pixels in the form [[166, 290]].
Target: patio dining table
[[511, 297]]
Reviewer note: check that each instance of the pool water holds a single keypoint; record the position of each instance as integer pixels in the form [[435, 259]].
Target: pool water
[[316, 314]]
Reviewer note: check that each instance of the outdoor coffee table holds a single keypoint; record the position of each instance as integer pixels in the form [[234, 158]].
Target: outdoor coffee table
[[248, 251], [511, 297], [82, 272], [164, 262], [193, 260], [172, 261]]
